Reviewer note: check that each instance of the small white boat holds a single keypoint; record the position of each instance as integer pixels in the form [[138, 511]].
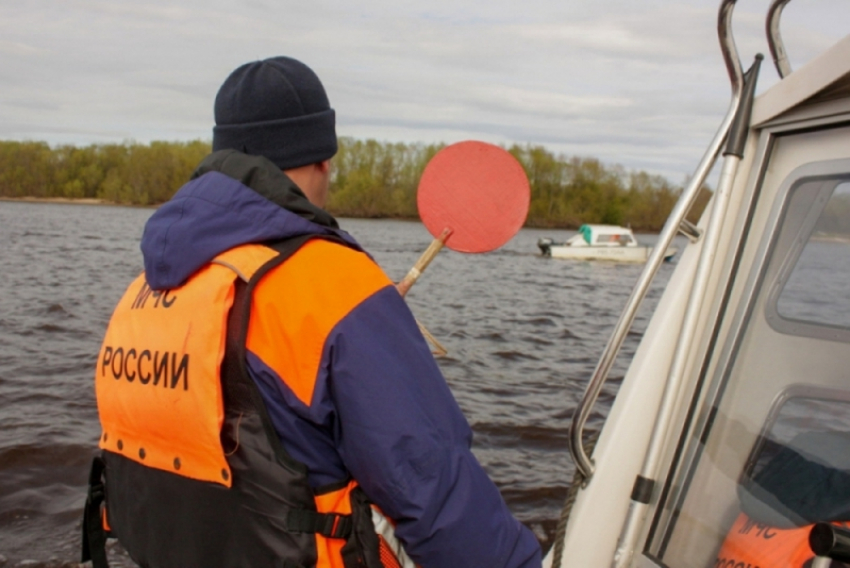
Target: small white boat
[[600, 242]]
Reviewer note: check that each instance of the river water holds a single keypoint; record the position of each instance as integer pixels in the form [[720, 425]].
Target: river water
[[523, 334]]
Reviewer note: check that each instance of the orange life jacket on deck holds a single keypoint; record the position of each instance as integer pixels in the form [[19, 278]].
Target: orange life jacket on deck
[[195, 474], [750, 544]]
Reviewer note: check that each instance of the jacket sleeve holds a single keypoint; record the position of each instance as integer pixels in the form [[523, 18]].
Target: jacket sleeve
[[402, 435]]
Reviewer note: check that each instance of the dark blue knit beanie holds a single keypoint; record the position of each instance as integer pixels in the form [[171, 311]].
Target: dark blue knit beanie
[[275, 108]]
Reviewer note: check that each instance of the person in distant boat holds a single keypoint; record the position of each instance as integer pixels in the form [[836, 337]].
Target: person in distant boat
[[265, 396]]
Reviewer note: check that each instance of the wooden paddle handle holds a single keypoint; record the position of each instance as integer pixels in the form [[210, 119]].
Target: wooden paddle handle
[[439, 350], [410, 279]]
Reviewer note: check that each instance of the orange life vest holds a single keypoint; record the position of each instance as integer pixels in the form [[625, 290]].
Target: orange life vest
[[195, 474], [750, 544]]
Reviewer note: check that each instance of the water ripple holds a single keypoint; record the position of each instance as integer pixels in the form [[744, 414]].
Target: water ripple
[[523, 332]]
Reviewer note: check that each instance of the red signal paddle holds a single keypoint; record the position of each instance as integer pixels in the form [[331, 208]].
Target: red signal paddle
[[472, 197]]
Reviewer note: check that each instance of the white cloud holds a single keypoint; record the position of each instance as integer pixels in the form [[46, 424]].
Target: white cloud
[[636, 83], [18, 49]]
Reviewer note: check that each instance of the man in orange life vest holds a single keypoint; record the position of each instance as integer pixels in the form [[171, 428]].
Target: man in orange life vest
[[265, 395]]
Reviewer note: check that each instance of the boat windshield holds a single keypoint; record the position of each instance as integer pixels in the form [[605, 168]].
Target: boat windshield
[[614, 238], [605, 235]]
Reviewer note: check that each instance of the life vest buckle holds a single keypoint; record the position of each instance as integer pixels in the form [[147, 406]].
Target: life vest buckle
[[329, 525]]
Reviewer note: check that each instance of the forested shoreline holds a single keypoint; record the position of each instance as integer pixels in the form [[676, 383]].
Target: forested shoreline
[[369, 179]]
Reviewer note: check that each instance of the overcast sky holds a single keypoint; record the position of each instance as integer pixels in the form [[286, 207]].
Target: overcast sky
[[634, 82]]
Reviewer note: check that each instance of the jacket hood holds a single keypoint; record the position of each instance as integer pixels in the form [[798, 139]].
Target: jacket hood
[[232, 199]]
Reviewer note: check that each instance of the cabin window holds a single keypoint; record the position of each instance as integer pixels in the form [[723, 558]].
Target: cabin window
[[615, 239], [799, 470], [816, 291]]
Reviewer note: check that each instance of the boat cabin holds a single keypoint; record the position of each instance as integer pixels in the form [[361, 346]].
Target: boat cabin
[[603, 236], [729, 438]]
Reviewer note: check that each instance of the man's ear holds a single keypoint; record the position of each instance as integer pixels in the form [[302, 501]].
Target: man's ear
[[324, 166]]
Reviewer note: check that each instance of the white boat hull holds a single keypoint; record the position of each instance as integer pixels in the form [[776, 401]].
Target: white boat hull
[[620, 254], [617, 254]]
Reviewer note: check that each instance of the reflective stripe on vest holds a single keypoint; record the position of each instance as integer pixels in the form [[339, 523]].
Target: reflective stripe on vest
[[390, 549]]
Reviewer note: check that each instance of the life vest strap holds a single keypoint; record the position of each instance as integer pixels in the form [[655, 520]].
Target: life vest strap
[[329, 525], [94, 533]]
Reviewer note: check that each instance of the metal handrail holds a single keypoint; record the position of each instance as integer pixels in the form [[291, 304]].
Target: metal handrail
[[774, 38], [676, 378], [733, 65]]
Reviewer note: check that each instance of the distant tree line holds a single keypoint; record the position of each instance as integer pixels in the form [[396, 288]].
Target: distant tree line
[[370, 179], [135, 174]]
